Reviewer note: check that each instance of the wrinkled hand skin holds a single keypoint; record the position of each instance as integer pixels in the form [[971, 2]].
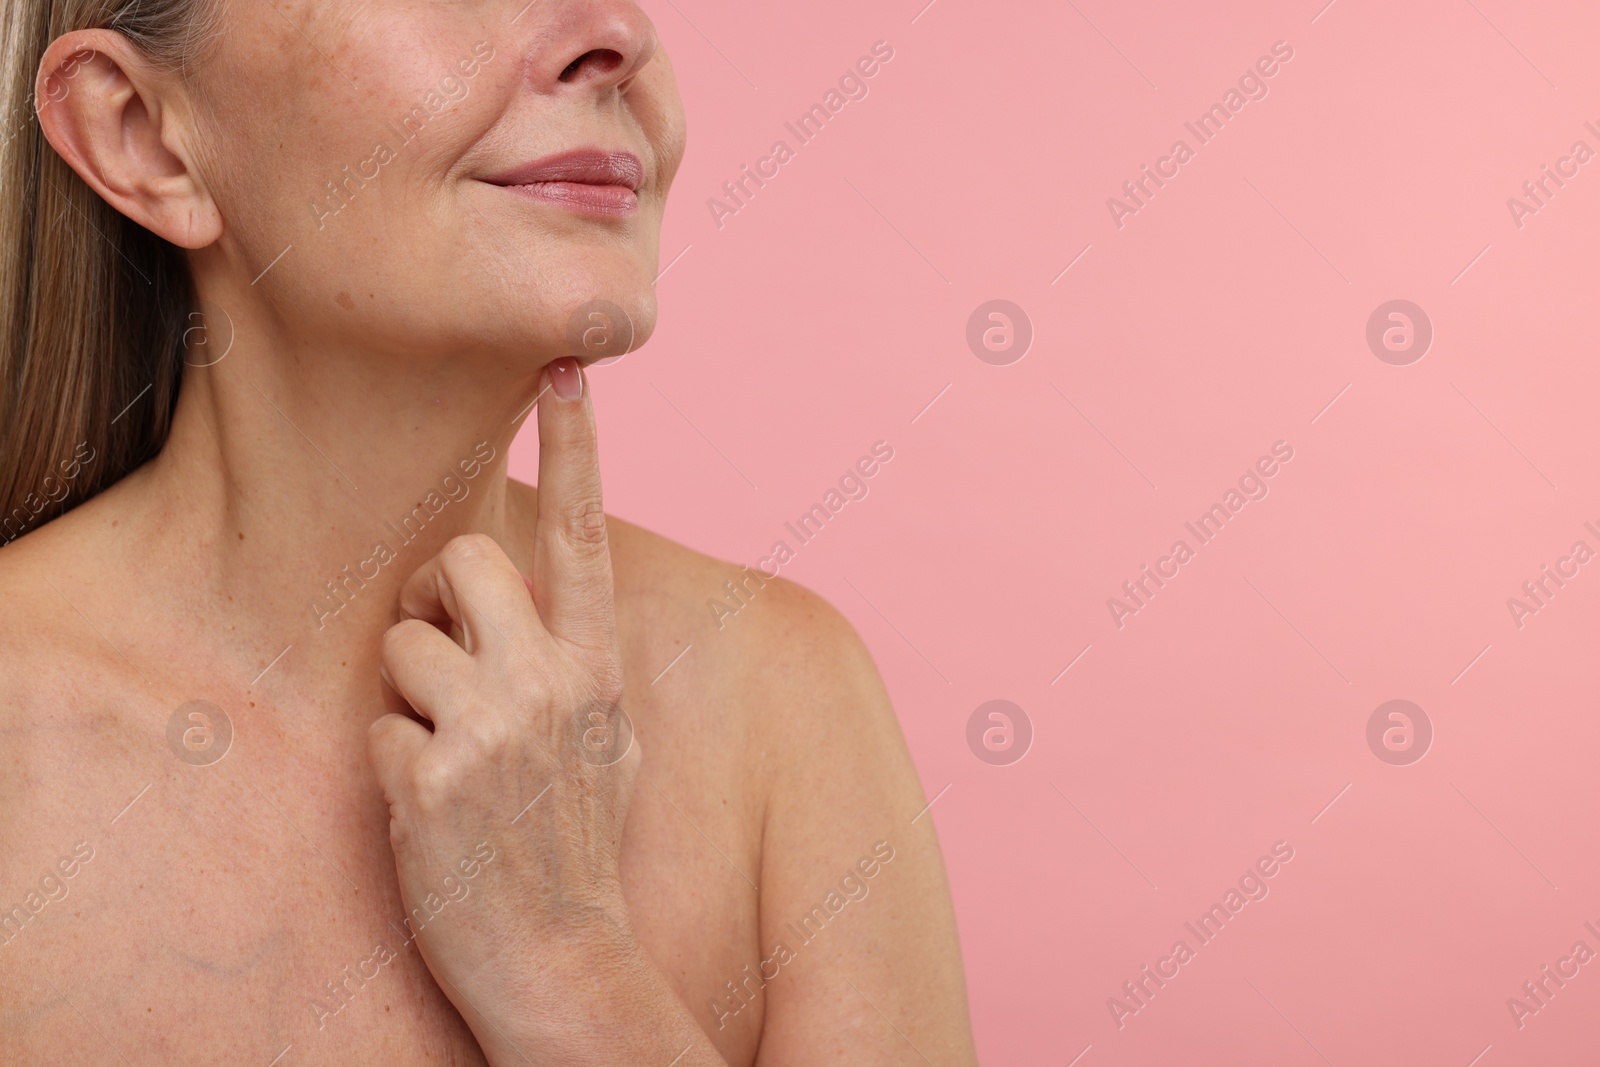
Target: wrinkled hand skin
[[515, 738], [506, 817]]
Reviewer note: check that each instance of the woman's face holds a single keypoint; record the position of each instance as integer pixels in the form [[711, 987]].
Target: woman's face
[[406, 153]]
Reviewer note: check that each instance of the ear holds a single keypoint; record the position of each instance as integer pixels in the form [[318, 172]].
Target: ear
[[124, 126]]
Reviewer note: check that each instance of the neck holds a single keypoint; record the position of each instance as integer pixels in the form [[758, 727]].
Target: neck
[[295, 495]]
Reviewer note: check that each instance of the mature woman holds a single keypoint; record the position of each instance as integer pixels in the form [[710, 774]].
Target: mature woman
[[324, 741]]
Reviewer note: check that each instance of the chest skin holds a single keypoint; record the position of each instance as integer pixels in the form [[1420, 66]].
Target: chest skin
[[248, 909]]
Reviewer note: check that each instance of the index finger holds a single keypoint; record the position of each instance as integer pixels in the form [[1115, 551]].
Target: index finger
[[572, 553]]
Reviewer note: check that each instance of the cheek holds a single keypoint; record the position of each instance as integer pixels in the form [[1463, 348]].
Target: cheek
[[343, 169], [330, 111], [338, 178], [659, 110]]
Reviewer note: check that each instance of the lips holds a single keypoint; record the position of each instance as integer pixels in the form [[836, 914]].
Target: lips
[[586, 179]]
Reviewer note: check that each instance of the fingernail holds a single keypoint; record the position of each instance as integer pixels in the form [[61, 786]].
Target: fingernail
[[383, 672], [566, 379]]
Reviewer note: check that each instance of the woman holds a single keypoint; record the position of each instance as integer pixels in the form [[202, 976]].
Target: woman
[[316, 745]]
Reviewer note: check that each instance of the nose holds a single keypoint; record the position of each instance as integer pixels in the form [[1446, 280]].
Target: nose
[[588, 45]]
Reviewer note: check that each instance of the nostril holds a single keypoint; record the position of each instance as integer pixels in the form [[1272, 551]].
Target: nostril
[[602, 60]]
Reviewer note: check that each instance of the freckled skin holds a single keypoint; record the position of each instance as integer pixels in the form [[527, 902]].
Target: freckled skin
[[236, 908]]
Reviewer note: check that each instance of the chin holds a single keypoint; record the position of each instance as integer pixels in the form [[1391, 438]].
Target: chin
[[605, 311]]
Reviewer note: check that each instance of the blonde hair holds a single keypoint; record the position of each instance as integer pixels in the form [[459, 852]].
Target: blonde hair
[[92, 305]]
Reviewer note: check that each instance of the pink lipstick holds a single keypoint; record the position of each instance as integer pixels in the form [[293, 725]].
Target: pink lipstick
[[585, 179]]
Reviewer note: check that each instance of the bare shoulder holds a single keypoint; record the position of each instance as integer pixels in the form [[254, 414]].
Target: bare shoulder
[[765, 669], [765, 635], [58, 717], [842, 840], [39, 630], [780, 675]]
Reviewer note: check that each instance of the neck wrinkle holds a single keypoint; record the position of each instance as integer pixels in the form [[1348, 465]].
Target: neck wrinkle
[[288, 508]]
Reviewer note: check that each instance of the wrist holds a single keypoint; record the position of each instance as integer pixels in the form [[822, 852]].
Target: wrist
[[587, 995], [590, 996]]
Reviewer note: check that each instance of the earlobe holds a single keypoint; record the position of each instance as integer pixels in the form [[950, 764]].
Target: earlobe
[[119, 123]]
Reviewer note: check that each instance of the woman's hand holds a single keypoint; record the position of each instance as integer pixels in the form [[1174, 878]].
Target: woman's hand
[[506, 818]]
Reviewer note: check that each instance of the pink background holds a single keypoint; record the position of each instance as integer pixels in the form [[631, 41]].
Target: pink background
[[1223, 317]]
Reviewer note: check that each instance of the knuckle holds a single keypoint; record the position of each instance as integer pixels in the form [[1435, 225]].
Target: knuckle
[[433, 786], [399, 640], [489, 735], [584, 524], [468, 548], [530, 684]]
